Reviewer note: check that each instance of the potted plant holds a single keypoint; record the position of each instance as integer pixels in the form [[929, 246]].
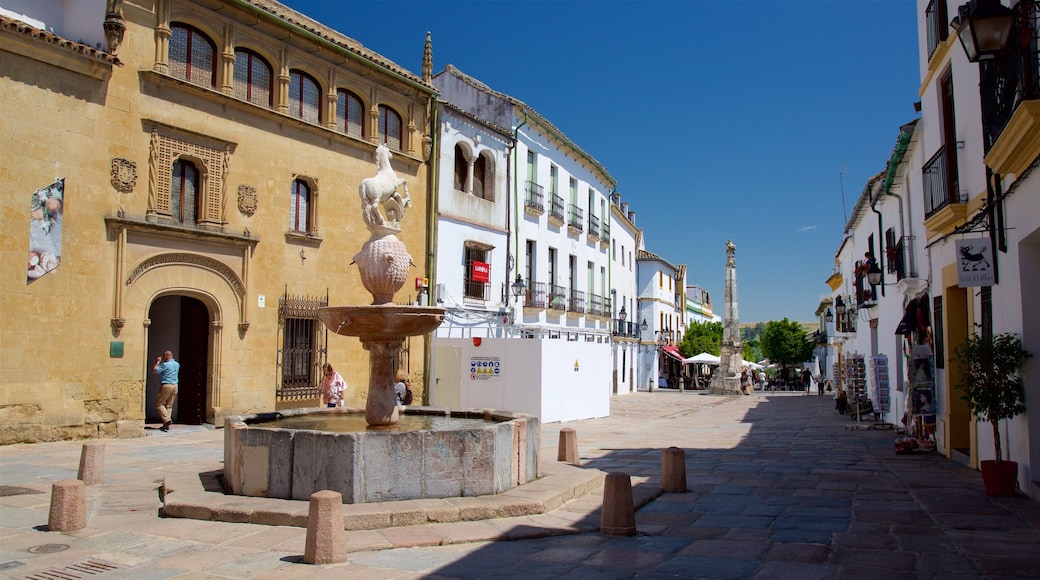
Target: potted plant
[[994, 390]]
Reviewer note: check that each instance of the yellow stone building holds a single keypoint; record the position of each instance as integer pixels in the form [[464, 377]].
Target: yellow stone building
[[196, 169]]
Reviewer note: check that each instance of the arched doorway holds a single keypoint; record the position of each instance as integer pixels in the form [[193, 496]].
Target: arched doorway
[[180, 324]]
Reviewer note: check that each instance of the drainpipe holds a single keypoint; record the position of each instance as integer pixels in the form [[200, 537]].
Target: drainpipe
[[432, 195], [881, 237], [516, 192]]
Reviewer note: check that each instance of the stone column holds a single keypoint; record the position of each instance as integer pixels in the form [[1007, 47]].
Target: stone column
[[727, 378], [381, 407]]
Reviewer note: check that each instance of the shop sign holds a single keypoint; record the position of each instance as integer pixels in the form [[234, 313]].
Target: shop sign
[[974, 263], [480, 271]]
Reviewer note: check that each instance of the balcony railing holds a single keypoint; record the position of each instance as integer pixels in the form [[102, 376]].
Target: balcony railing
[[604, 235], [593, 225], [940, 180], [535, 199], [556, 207], [900, 258], [598, 306], [557, 297], [1005, 82], [577, 302], [625, 328], [937, 23], [576, 222], [537, 295]]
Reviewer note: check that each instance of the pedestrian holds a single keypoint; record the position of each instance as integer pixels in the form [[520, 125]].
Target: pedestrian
[[332, 387], [168, 371], [745, 382], [762, 380], [806, 376], [401, 388]]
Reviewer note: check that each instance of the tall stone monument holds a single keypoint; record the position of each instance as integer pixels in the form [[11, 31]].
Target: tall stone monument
[[726, 380]]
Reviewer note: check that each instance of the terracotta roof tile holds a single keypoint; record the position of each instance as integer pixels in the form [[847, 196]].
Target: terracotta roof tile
[[18, 27]]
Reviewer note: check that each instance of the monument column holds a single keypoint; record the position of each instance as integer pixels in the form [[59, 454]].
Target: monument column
[[726, 380]]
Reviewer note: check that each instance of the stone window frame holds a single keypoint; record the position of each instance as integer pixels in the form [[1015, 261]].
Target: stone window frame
[[214, 67], [339, 115], [309, 236], [253, 55], [302, 98], [465, 171], [384, 112], [169, 145]]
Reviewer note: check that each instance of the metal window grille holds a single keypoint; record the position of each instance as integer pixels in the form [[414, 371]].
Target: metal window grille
[[473, 288], [252, 78], [303, 343], [192, 56]]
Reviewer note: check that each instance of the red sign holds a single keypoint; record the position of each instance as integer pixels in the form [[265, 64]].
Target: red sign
[[481, 271]]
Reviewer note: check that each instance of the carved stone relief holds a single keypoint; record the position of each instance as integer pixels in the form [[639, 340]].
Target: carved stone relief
[[124, 175], [247, 199]]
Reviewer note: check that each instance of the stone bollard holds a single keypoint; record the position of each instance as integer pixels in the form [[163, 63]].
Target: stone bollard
[[92, 463], [568, 451], [673, 470], [68, 506], [326, 540], [619, 515]]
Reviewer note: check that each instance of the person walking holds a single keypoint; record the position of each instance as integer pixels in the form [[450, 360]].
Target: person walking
[[332, 387], [168, 371]]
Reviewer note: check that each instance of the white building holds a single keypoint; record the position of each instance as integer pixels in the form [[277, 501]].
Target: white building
[[662, 304], [521, 203], [981, 193], [625, 237], [698, 306]]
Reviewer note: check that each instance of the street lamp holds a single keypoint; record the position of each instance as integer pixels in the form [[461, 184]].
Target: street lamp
[[519, 288], [643, 326], [839, 306], [983, 27], [622, 315], [874, 274], [828, 316]]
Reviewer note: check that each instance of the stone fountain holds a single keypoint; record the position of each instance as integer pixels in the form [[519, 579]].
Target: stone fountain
[[294, 453], [383, 263]]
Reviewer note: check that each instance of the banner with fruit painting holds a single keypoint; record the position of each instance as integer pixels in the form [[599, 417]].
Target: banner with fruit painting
[[45, 219]]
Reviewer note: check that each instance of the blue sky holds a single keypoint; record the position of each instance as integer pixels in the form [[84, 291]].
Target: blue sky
[[738, 119]]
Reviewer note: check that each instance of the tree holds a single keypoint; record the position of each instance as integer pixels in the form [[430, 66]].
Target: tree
[[701, 337], [784, 342]]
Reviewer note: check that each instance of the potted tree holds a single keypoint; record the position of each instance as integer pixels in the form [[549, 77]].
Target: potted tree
[[994, 390]]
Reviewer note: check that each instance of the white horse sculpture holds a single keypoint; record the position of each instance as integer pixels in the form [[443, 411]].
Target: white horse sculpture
[[382, 190]]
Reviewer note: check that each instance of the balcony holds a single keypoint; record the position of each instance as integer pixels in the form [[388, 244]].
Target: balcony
[[599, 305], [537, 295], [534, 199], [940, 180], [937, 23], [625, 328], [556, 210], [576, 222], [604, 236], [557, 297], [900, 258], [593, 234], [1010, 91], [577, 302]]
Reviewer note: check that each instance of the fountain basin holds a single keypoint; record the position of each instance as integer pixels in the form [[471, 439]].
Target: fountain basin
[[387, 320], [489, 456]]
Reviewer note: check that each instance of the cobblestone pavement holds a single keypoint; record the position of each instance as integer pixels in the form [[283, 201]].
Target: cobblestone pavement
[[778, 488]]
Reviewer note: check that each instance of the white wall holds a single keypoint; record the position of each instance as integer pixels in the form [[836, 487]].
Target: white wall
[[537, 377]]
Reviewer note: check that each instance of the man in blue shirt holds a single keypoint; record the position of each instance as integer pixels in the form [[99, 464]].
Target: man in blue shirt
[[168, 371]]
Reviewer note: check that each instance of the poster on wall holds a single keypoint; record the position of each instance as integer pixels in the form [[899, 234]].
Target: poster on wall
[[975, 264], [483, 368], [46, 213]]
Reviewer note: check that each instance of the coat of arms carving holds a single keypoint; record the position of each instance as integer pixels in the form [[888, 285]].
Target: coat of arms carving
[[124, 175], [247, 199]]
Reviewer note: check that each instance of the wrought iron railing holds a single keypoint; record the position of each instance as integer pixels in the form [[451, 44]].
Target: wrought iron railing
[[605, 231], [596, 305], [576, 221], [937, 23], [537, 295], [900, 258], [577, 302], [535, 197], [557, 297], [556, 207], [625, 328], [477, 290], [940, 179], [593, 225], [1005, 82]]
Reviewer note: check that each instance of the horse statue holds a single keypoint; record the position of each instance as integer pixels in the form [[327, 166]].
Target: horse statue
[[381, 190]]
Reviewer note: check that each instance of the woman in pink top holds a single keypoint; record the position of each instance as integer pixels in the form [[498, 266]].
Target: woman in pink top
[[332, 387]]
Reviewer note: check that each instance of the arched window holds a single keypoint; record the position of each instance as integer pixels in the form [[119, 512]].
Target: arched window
[[300, 206], [461, 168], [192, 56], [350, 114], [484, 178], [304, 97], [252, 78], [183, 189], [389, 128]]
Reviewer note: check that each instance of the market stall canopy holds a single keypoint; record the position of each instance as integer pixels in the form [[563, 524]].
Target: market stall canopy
[[702, 358], [673, 351]]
